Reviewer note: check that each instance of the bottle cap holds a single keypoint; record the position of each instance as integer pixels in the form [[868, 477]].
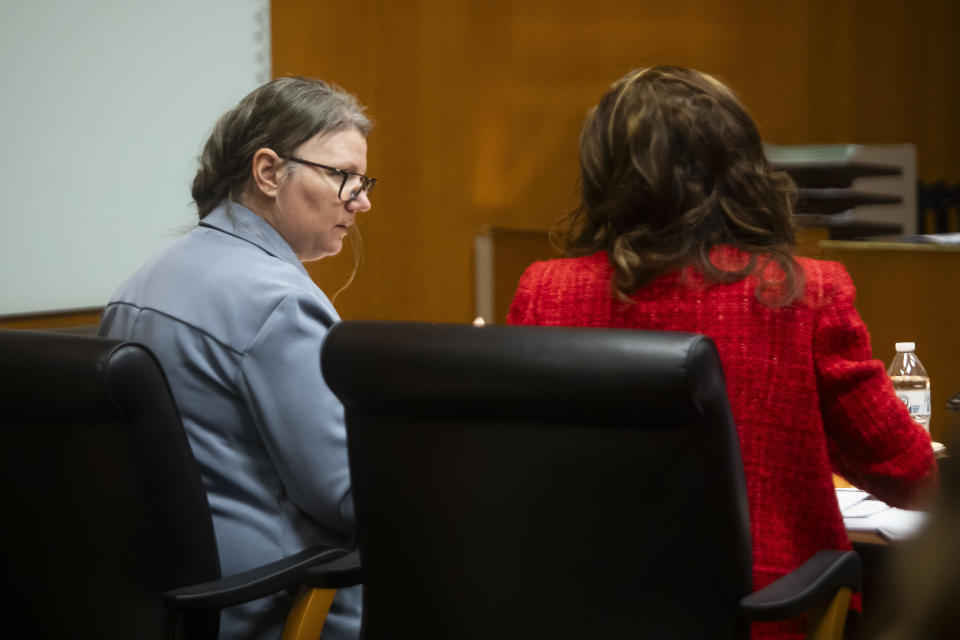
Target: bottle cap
[[905, 346]]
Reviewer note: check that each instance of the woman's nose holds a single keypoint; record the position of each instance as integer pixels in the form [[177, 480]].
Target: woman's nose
[[360, 203]]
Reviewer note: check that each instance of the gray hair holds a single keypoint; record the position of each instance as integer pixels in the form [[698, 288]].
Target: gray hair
[[280, 115]]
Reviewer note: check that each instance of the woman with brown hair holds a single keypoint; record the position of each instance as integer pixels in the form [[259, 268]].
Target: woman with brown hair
[[684, 226]]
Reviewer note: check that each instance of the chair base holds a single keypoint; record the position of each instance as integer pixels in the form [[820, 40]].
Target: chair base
[[827, 620], [308, 613]]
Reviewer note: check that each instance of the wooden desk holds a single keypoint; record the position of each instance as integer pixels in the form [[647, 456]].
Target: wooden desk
[[865, 537]]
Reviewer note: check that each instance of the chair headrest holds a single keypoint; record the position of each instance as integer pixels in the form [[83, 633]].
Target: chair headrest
[[540, 372], [46, 373]]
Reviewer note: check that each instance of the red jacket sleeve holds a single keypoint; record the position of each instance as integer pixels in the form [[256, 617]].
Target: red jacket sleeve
[[872, 440], [522, 308]]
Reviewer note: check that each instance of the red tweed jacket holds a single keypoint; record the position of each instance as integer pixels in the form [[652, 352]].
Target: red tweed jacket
[[807, 396]]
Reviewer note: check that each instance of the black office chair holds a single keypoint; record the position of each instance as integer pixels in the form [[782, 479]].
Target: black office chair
[[521, 482], [107, 532]]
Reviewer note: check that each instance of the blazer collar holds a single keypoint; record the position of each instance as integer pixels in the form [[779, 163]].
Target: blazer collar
[[235, 219]]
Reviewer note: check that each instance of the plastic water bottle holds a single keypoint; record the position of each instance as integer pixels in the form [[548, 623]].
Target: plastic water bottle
[[911, 383]]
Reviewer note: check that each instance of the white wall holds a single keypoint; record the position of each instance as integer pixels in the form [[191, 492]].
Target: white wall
[[104, 107]]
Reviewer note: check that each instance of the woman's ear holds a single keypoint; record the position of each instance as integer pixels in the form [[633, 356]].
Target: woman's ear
[[265, 172]]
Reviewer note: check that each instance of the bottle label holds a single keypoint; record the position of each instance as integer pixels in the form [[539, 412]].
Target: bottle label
[[917, 401]]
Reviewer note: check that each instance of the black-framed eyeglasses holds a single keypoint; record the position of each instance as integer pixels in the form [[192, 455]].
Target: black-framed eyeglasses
[[350, 181]]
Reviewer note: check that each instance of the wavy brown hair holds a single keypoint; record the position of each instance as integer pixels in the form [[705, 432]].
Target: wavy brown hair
[[672, 165]]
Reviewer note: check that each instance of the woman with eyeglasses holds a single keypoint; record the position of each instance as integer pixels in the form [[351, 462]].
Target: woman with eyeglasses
[[684, 226], [238, 324]]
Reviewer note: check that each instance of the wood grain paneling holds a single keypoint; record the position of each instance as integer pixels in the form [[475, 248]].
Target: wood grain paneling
[[478, 105], [78, 318]]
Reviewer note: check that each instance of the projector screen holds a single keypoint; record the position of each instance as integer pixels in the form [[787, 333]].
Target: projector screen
[[106, 105]]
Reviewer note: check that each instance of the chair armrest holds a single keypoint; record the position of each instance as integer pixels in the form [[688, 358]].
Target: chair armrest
[[815, 581], [344, 571], [252, 584]]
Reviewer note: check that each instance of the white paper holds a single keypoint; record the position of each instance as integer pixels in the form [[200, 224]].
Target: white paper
[[865, 509], [847, 497], [862, 512]]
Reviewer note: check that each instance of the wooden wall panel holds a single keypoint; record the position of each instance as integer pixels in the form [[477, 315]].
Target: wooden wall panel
[[478, 105], [78, 319]]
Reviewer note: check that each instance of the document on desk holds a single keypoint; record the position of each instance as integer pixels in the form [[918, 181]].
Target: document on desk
[[863, 512], [847, 498]]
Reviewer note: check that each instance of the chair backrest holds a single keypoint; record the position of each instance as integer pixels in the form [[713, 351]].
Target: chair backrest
[[521, 482], [105, 505]]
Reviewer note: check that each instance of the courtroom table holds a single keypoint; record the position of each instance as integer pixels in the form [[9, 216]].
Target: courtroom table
[[870, 521], [888, 525]]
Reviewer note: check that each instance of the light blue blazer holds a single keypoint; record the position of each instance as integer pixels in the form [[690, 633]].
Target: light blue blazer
[[238, 325]]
